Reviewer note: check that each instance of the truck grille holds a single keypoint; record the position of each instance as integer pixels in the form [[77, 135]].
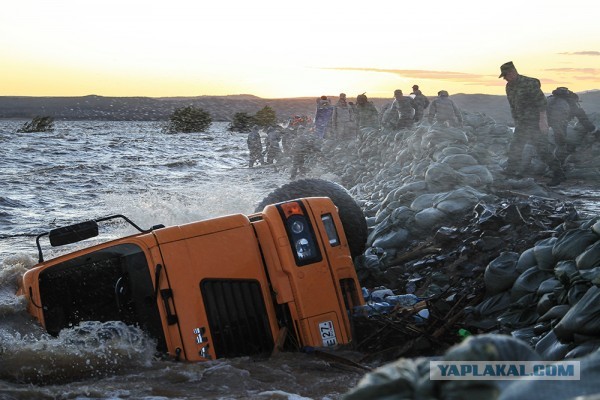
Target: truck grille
[[237, 317]]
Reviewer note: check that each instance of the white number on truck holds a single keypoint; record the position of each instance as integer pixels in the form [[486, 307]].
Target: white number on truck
[[327, 333]]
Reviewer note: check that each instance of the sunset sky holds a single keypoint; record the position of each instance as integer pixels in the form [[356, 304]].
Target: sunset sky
[[275, 48]]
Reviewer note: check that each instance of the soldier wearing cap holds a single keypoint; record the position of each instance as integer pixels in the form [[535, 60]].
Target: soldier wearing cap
[[342, 120], [563, 106], [443, 111], [421, 101], [399, 113], [528, 108]]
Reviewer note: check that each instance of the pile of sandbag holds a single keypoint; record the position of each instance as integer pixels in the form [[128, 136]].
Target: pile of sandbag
[[410, 378], [547, 295]]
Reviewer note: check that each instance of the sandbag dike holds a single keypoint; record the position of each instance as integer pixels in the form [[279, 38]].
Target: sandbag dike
[[456, 249]]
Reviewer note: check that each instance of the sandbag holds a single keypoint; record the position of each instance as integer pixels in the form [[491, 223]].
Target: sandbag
[[556, 312], [582, 318], [500, 274], [481, 171], [572, 243], [591, 275], [576, 292], [459, 200], [469, 180], [596, 228], [441, 177], [551, 348], [525, 334], [590, 257], [393, 239], [450, 150], [398, 379], [430, 217], [518, 318], [528, 282], [491, 347], [545, 303], [548, 286], [456, 206], [543, 254], [558, 389], [458, 161], [566, 272], [399, 217], [526, 260], [583, 349], [490, 306], [423, 201]]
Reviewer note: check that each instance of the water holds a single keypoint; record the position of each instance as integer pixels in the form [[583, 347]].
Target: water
[[90, 169]]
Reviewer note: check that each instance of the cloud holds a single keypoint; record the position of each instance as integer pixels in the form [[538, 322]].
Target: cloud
[[424, 74], [591, 73], [581, 53]]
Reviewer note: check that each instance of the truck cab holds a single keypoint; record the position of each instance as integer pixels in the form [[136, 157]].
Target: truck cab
[[236, 285]]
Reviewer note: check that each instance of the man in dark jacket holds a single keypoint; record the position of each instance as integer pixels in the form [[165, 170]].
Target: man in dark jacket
[[528, 108]]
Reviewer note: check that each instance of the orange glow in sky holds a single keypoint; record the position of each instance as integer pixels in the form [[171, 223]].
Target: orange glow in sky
[[275, 49]]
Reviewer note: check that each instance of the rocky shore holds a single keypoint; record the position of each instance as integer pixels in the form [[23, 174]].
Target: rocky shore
[[459, 256]]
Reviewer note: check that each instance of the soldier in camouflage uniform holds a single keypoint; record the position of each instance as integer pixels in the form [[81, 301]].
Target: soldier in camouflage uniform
[[254, 147], [444, 111], [399, 113], [367, 115], [306, 143], [563, 106], [528, 108], [421, 101]]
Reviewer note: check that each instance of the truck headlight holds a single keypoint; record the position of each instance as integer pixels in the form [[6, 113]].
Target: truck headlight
[[300, 233], [297, 227], [303, 249]]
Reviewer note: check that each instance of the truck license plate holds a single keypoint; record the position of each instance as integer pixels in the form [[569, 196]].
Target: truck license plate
[[327, 333]]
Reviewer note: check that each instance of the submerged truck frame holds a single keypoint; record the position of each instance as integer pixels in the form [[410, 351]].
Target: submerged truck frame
[[236, 285]]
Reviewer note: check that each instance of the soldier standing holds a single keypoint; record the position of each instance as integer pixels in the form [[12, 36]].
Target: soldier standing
[[563, 106], [421, 101], [528, 108], [254, 147], [306, 143], [444, 111], [274, 152], [400, 113]]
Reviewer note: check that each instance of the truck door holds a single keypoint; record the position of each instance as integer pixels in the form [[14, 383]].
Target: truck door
[[219, 294]]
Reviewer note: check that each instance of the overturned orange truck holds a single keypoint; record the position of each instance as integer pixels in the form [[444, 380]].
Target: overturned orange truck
[[231, 286]]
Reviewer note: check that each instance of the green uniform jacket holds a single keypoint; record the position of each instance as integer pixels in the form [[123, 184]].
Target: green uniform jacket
[[526, 100]]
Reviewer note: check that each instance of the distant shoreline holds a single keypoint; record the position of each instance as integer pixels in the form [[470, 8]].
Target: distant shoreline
[[223, 108]]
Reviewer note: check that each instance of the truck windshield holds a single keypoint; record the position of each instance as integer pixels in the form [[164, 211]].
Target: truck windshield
[[111, 284]]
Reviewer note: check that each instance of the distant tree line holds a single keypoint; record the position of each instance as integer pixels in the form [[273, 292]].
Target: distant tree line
[[195, 119], [243, 122]]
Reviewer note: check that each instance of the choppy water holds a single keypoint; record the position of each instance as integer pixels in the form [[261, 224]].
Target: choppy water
[[89, 169]]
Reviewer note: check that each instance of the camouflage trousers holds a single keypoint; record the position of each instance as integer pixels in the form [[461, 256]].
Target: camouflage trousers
[[532, 135]]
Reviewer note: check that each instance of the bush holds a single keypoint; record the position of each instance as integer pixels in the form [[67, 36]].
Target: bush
[[38, 124], [242, 122], [266, 117], [189, 119]]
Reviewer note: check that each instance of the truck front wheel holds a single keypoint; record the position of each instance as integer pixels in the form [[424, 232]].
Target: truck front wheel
[[351, 215]]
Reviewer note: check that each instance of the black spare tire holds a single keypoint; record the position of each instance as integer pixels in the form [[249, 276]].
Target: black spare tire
[[352, 217]]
